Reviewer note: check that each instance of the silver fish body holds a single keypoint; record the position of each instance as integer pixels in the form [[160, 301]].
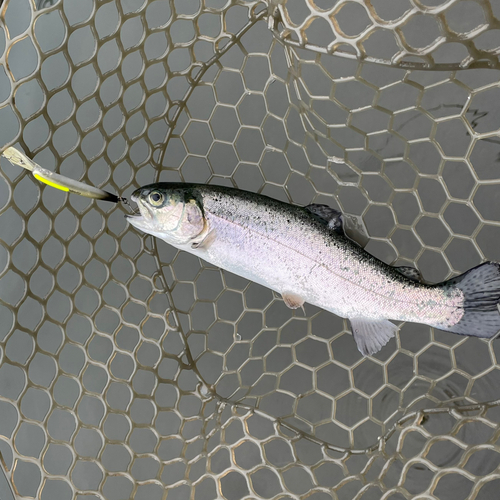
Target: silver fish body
[[295, 252]]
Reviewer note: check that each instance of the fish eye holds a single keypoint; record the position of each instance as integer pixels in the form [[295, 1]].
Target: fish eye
[[156, 198]]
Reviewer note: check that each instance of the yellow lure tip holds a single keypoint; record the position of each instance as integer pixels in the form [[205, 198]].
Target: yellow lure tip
[[50, 183]]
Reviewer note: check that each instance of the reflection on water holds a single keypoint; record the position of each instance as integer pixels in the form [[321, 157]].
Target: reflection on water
[[5, 486], [41, 4]]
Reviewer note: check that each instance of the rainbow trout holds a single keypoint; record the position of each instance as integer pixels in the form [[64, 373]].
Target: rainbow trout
[[303, 254]]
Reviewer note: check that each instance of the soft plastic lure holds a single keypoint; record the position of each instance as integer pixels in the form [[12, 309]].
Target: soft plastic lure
[[58, 181]]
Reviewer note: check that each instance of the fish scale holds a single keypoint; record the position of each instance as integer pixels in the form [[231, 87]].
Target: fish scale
[[296, 252]]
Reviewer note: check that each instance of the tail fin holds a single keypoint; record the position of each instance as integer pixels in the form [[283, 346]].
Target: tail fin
[[481, 288]]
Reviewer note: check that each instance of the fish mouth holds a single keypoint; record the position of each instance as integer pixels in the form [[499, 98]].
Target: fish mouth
[[137, 220]]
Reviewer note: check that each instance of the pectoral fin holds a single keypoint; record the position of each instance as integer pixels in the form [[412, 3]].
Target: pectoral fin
[[371, 335], [292, 300], [206, 241]]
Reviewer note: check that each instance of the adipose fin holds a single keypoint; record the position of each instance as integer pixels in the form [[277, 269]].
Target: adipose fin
[[410, 273]]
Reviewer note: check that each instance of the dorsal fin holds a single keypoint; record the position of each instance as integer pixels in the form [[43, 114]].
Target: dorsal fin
[[328, 215]]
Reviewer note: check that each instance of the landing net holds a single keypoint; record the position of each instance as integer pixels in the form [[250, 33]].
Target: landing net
[[131, 370]]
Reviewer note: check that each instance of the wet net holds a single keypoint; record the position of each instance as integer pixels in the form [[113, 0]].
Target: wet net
[[131, 370]]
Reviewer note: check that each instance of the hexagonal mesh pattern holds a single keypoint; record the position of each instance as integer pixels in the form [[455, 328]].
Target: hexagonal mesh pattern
[[417, 34], [129, 370]]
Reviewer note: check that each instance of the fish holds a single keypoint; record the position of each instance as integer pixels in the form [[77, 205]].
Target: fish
[[304, 254]]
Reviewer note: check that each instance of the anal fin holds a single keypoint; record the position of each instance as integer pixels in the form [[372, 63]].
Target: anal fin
[[372, 334], [292, 300]]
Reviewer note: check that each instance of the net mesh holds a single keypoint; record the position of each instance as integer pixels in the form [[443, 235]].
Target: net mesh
[[428, 34], [129, 370]]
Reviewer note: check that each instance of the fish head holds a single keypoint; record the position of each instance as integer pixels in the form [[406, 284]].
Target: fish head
[[170, 211]]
